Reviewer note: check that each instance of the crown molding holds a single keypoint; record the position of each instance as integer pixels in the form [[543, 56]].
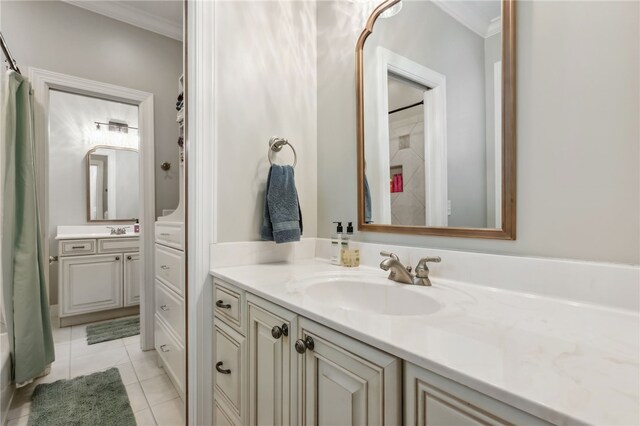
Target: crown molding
[[467, 17], [123, 12]]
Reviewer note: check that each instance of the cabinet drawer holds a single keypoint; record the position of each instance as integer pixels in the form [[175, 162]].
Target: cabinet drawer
[[228, 363], [170, 268], [118, 245], [77, 247], [170, 234], [228, 306], [170, 308], [171, 352]]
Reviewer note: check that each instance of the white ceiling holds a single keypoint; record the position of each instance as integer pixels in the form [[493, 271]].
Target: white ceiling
[[481, 16], [160, 16]]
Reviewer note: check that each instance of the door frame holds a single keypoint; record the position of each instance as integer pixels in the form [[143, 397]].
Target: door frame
[[42, 82], [435, 133]]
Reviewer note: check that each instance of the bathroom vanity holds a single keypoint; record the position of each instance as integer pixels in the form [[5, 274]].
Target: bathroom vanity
[[98, 275], [310, 343]]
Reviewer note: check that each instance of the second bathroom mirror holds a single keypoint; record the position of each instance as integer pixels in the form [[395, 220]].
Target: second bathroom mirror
[[436, 118]]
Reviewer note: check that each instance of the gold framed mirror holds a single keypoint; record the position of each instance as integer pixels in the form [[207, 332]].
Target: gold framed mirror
[[436, 119], [113, 184]]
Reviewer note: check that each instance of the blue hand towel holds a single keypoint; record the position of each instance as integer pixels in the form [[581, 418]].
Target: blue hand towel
[[282, 218]]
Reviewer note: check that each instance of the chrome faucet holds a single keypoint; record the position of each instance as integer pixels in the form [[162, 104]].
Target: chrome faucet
[[398, 272], [117, 231], [422, 270]]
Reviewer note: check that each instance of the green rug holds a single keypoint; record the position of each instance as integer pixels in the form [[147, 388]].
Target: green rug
[[96, 399], [112, 330]]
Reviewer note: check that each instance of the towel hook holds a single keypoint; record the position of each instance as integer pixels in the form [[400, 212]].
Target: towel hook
[[276, 144]]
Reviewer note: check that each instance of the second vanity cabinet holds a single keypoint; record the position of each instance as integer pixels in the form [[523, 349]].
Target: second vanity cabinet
[[97, 275], [272, 366]]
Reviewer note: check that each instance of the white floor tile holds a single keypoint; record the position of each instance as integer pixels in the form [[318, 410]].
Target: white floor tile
[[61, 335], [170, 413], [79, 347], [144, 363], [159, 389], [21, 405], [145, 418], [99, 361], [127, 373], [59, 371], [22, 421], [79, 332], [136, 397], [131, 340], [62, 350]]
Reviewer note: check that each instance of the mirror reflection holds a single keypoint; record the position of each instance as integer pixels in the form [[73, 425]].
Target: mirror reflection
[[432, 115], [113, 183]]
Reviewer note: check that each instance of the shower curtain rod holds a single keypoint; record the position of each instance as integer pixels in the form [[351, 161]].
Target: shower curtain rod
[[406, 107], [5, 49]]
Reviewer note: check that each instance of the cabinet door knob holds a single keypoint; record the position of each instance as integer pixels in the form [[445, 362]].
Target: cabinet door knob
[[164, 348], [128, 257], [164, 308], [117, 257], [302, 345], [278, 332], [221, 304], [222, 370], [165, 267]]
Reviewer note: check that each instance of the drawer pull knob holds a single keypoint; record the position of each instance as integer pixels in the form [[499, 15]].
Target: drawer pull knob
[[77, 247], [302, 345], [164, 348], [278, 332], [117, 257], [165, 267], [221, 304], [128, 257], [164, 308], [222, 370]]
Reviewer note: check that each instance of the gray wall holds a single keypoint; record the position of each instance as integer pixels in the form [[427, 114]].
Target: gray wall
[[55, 36], [492, 54], [578, 131], [265, 85], [425, 34]]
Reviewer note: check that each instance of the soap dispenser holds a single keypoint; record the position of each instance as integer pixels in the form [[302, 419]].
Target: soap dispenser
[[336, 244], [350, 253]]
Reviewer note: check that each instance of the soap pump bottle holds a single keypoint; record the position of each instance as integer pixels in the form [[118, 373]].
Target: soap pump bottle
[[336, 244], [350, 249]]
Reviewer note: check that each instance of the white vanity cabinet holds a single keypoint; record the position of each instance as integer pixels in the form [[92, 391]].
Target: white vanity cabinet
[[265, 373], [170, 310], [97, 275], [90, 283]]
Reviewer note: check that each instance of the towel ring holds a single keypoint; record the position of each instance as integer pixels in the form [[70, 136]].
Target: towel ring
[[276, 144]]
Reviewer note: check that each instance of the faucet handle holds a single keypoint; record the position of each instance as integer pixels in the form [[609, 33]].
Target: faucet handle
[[422, 270], [389, 254]]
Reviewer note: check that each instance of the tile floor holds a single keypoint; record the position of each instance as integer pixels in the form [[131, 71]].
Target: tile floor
[[153, 397]]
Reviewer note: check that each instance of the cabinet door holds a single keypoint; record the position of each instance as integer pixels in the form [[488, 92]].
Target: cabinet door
[[272, 364], [345, 382], [132, 279], [90, 283], [432, 400]]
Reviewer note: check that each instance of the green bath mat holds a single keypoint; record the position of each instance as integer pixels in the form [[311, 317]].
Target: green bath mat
[[96, 399], [112, 330]]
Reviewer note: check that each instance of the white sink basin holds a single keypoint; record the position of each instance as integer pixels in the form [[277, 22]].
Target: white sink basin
[[372, 297]]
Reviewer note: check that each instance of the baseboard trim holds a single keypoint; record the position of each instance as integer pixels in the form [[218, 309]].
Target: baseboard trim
[[99, 316]]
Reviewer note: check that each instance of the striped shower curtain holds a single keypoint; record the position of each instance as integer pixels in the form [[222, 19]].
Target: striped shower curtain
[[24, 290]]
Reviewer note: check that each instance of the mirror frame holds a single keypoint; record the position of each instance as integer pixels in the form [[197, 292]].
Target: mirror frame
[[508, 230], [88, 195]]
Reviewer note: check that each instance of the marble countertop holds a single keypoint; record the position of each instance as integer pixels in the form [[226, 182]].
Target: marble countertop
[[562, 361], [92, 231]]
